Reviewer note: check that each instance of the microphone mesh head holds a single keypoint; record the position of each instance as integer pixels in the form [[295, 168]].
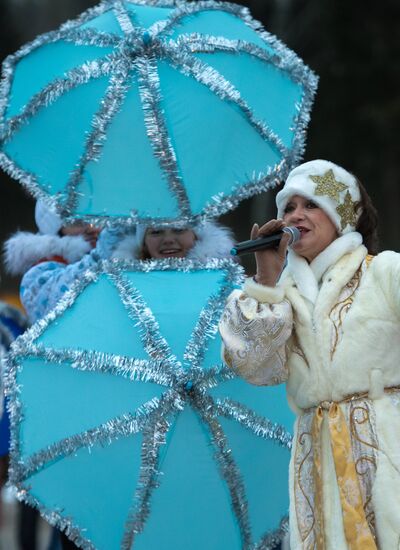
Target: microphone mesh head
[[294, 234]]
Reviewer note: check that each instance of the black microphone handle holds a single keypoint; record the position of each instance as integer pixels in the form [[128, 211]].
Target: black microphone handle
[[247, 247]]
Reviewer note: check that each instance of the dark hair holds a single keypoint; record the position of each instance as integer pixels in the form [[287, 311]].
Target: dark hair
[[367, 224]]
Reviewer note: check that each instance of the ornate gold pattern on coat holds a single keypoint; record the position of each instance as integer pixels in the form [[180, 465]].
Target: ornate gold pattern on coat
[[339, 310], [347, 211], [255, 334], [317, 474], [328, 185], [365, 446], [304, 483], [346, 298], [295, 346], [354, 444]]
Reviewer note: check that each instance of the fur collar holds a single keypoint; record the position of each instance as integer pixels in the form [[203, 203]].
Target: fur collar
[[308, 276], [23, 250], [213, 241]]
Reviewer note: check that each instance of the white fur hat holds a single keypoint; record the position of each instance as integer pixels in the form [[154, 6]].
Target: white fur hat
[[331, 187], [47, 220]]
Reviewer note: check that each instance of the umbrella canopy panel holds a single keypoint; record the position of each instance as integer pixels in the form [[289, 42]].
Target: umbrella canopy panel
[[147, 432], [153, 110]]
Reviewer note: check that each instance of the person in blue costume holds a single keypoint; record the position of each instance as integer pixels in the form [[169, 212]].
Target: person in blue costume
[[39, 257], [54, 246]]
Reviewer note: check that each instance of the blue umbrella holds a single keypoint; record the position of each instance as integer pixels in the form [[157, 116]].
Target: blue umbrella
[[135, 435], [164, 110]]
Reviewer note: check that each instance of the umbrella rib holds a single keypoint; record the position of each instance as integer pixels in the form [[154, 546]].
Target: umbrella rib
[[150, 96], [157, 132], [44, 39], [7, 70], [111, 103], [123, 18], [184, 265], [221, 203], [23, 344], [205, 407], [284, 60], [123, 425], [92, 37], [52, 91], [154, 435], [192, 8], [279, 58], [216, 83], [207, 324], [214, 376], [157, 3], [260, 426], [135, 370], [138, 310], [284, 57]]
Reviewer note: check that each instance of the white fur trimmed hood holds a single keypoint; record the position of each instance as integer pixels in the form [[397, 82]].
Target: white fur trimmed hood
[[213, 241], [23, 250]]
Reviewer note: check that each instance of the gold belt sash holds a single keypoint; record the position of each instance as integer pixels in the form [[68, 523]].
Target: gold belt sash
[[356, 529]]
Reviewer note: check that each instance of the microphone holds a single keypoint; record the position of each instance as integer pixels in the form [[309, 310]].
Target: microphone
[[270, 241]]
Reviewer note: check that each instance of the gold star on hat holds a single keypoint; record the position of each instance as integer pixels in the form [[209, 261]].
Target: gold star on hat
[[327, 185], [347, 211]]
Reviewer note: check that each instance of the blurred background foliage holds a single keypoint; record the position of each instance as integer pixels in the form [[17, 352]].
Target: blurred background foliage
[[354, 47]]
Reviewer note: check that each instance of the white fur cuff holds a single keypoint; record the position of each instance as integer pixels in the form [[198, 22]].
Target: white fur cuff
[[24, 250], [262, 293]]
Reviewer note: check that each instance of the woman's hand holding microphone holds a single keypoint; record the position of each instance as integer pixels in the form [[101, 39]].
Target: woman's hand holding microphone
[[270, 261]]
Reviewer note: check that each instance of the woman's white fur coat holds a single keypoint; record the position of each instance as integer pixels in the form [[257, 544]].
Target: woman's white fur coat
[[367, 359]]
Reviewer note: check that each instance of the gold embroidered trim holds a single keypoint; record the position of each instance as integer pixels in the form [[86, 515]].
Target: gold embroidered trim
[[339, 310], [365, 447]]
